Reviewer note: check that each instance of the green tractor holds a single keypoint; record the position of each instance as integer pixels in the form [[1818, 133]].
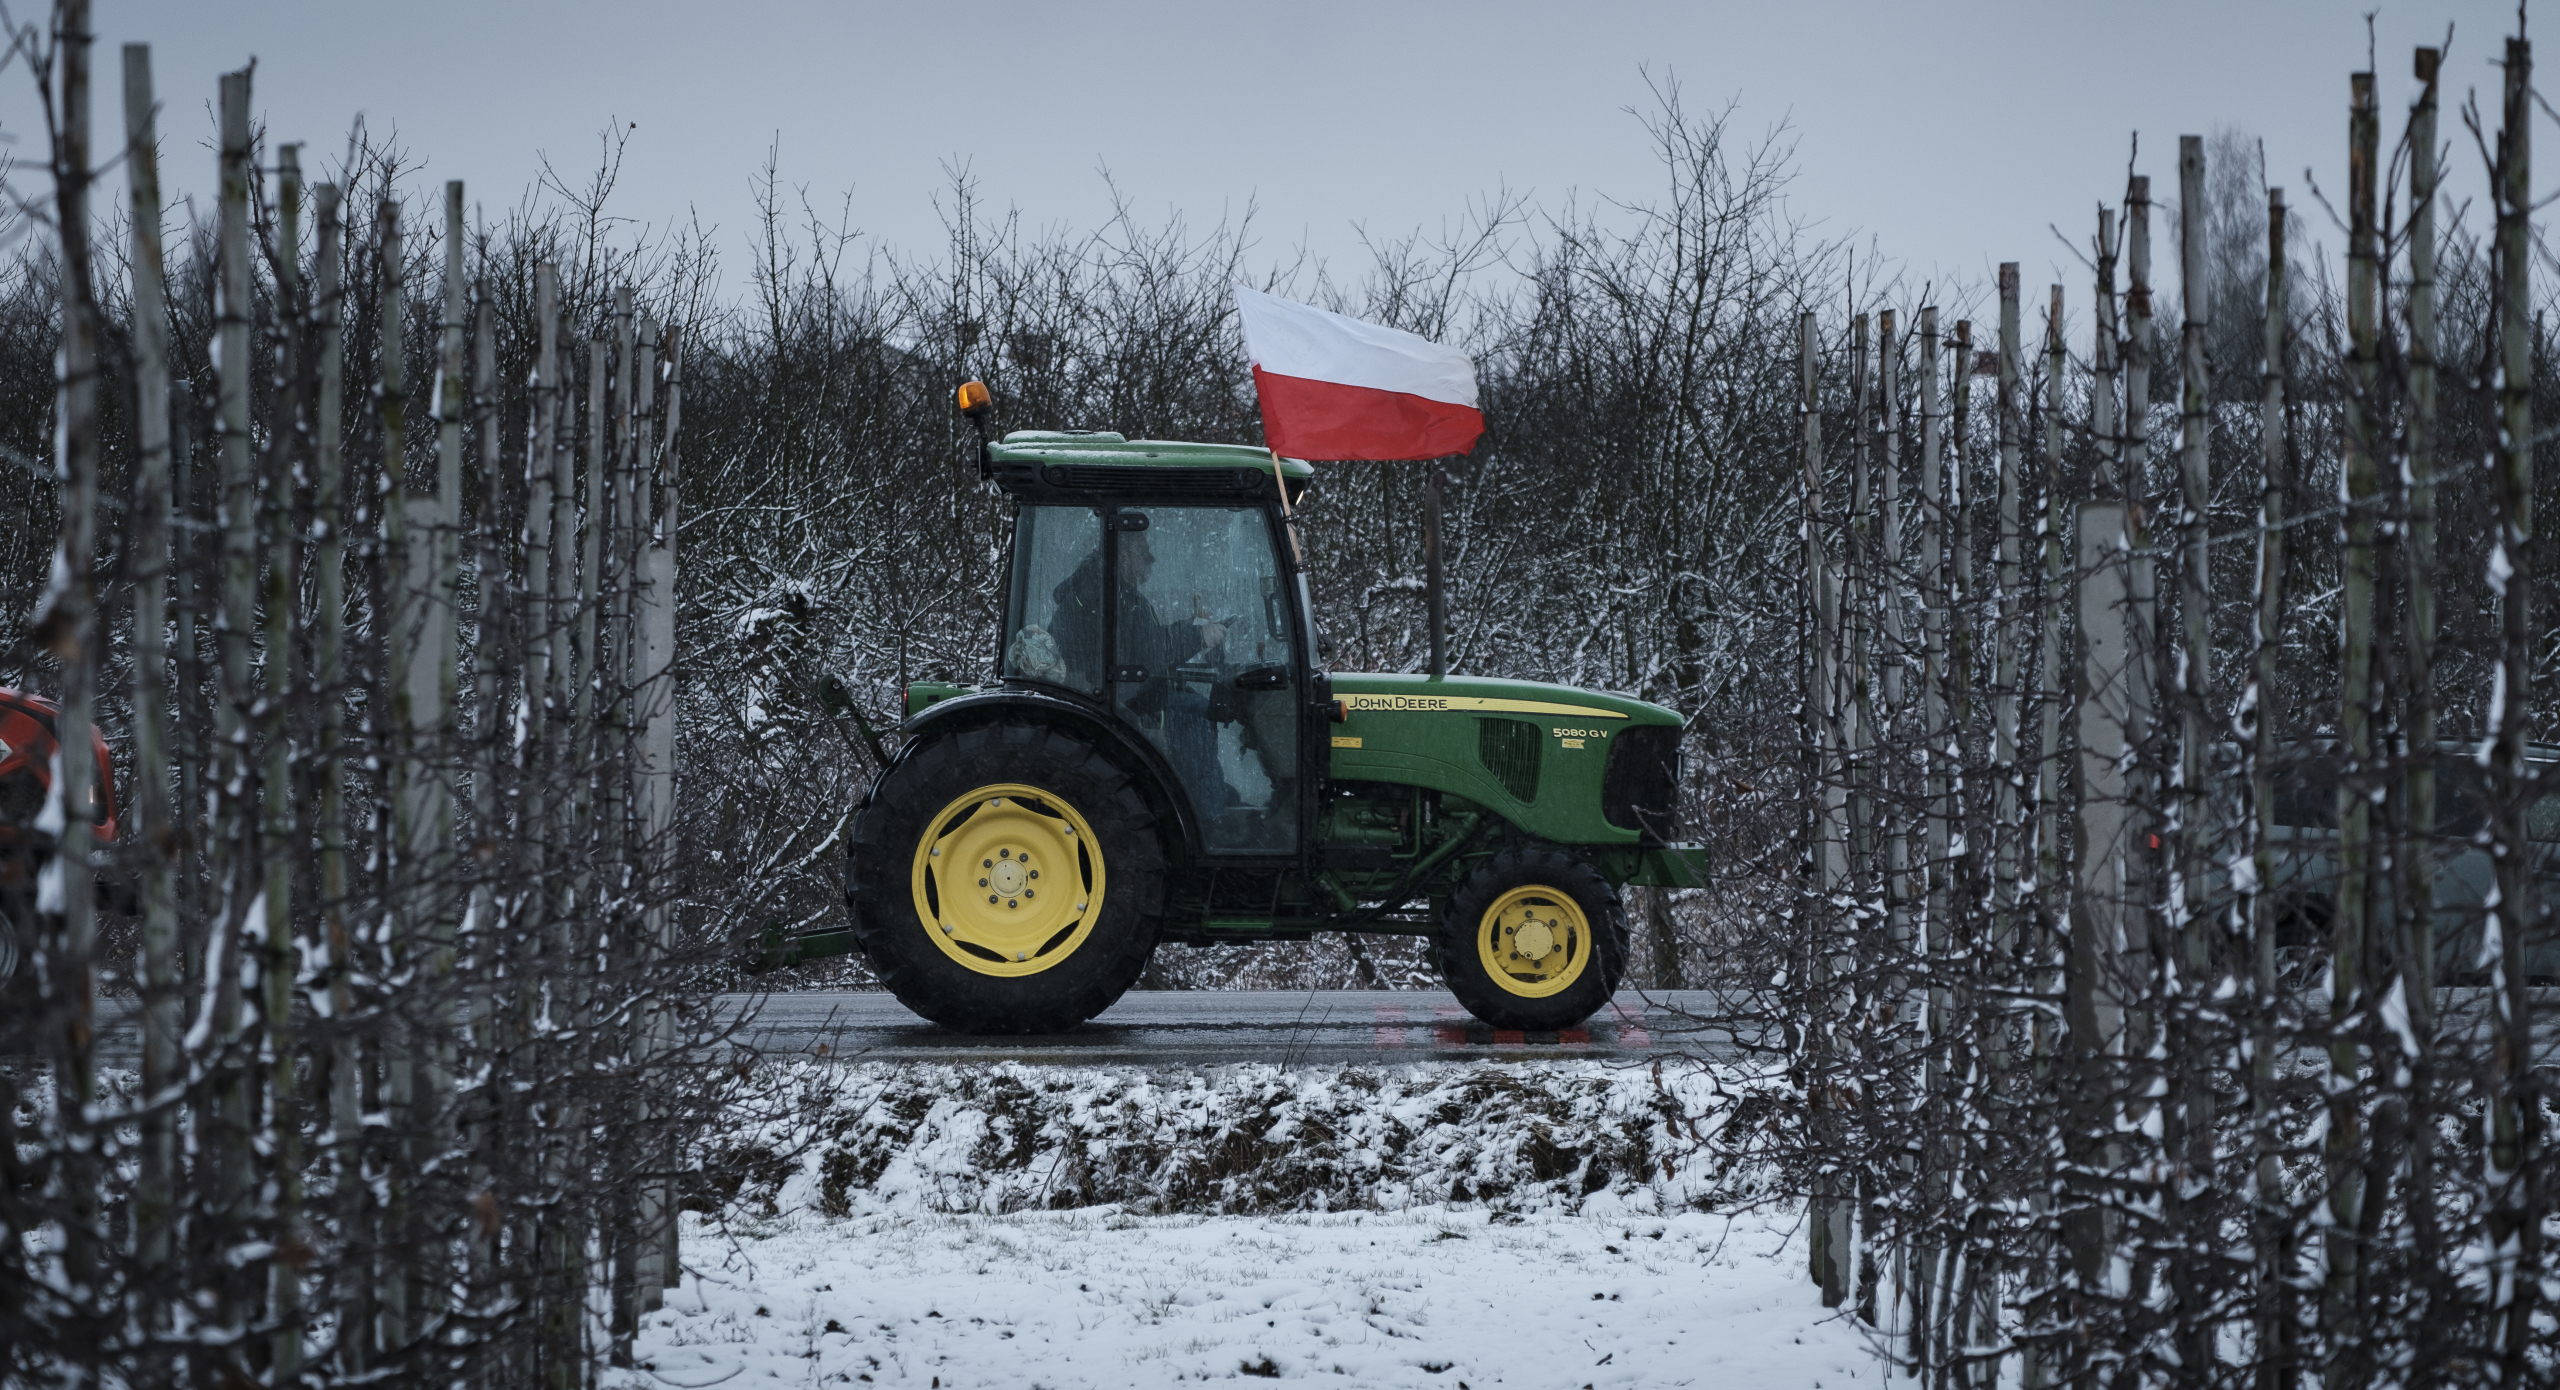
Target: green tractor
[[1166, 758]]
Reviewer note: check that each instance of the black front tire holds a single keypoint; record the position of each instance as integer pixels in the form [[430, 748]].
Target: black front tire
[[888, 833], [1561, 877]]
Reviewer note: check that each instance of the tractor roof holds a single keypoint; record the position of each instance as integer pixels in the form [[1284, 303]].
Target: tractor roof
[[1059, 463], [1106, 447]]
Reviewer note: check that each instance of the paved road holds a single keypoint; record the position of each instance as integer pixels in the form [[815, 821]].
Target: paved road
[[1281, 1027], [1291, 1027]]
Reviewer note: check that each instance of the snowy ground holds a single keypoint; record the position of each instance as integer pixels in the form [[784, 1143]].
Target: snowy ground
[[1423, 1297], [1452, 1225]]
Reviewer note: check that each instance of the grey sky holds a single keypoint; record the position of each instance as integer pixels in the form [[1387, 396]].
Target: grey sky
[[1952, 134]]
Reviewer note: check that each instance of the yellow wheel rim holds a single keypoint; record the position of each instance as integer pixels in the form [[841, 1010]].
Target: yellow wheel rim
[[1008, 879], [1534, 941]]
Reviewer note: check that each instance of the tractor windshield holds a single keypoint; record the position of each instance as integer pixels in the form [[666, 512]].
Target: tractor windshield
[[1054, 613]]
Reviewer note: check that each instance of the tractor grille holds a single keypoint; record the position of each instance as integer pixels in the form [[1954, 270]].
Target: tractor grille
[[1640, 791], [1508, 749]]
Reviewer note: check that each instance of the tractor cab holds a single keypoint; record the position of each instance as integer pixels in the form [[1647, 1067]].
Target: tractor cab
[[1153, 584]]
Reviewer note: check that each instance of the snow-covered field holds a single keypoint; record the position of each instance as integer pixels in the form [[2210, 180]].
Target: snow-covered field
[[1095, 1297], [1018, 1226]]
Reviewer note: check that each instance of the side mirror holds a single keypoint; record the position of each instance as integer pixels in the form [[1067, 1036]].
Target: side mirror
[[1324, 645]]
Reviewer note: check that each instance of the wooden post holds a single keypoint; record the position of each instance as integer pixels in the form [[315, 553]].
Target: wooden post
[[642, 660], [1931, 510], [188, 717], [487, 944], [1961, 620], [563, 1354], [2036, 1371], [534, 620], [1933, 628], [426, 825], [1829, 1239], [1968, 896], [404, 585], [1929, 1005], [1891, 711], [1897, 641], [658, 745], [2273, 1223], [1897, 894], [152, 824], [2103, 404], [236, 847], [494, 965], [2515, 1219], [579, 914], [2418, 858], [279, 968], [1858, 586], [2092, 1007], [2142, 577], [2009, 865], [2136, 442], [445, 613], [611, 677], [2192, 1129], [536, 764], [2050, 892], [2341, 1150], [1869, 592], [613, 669], [2195, 598], [2095, 993], [589, 665], [1816, 729], [68, 626], [328, 683], [634, 1236], [1959, 522]]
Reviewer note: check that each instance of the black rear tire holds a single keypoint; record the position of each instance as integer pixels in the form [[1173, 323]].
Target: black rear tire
[[912, 804], [1547, 878]]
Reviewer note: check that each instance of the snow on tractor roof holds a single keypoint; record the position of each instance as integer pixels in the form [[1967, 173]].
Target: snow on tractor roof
[[1107, 447]]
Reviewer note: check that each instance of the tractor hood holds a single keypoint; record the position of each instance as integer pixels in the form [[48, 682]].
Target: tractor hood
[[1568, 765]]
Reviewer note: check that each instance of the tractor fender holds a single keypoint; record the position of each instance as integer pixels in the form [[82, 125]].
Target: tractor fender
[[943, 718]]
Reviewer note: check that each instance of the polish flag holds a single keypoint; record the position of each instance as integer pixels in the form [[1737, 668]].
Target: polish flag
[[1338, 388]]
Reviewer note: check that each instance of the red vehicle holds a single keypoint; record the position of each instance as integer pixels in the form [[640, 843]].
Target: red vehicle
[[30, 738]]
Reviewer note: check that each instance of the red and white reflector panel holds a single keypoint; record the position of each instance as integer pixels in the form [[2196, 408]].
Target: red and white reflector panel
[[1335, 387]]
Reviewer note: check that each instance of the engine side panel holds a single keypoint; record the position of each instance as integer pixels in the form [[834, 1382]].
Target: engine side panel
[[1533, 753]]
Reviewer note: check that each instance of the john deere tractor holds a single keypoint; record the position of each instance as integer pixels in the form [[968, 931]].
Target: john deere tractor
[[1165, 758]]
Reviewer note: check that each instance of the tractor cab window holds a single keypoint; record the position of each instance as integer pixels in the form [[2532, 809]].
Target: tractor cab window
[[2463, 801], [1054, 611], [1206, 666]]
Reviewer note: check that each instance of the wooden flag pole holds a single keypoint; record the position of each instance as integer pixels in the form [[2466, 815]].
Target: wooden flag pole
[[1435, 602], [1288, 516]]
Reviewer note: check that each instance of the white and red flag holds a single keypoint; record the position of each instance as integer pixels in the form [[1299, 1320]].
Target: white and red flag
[[1334, 387]]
